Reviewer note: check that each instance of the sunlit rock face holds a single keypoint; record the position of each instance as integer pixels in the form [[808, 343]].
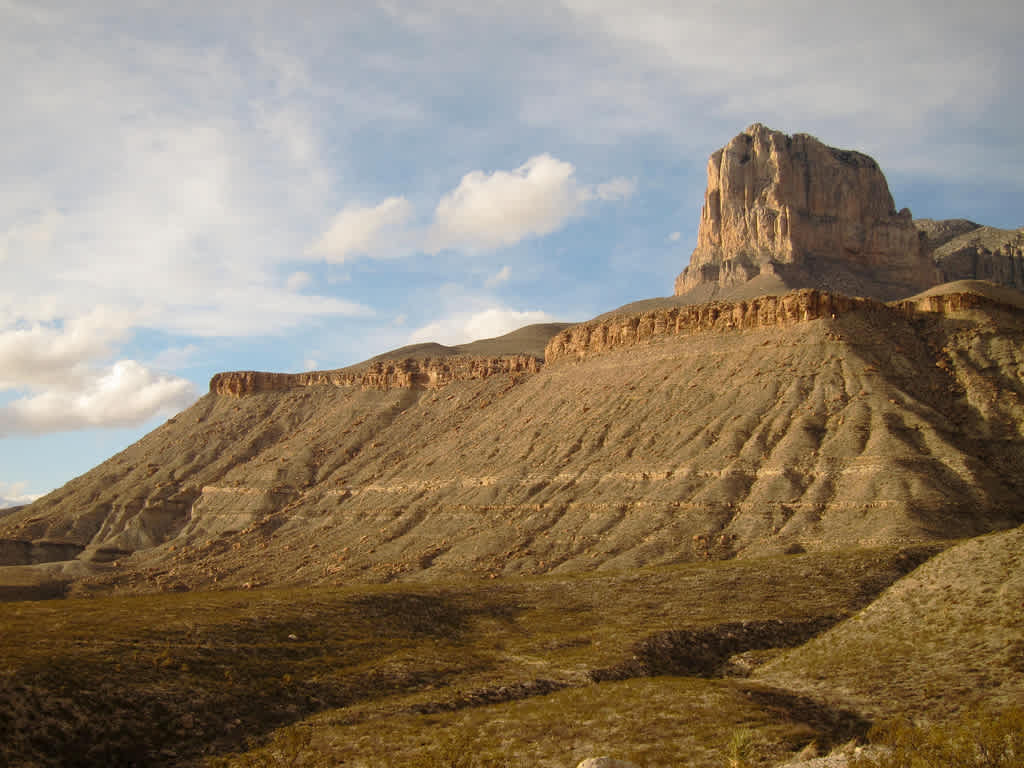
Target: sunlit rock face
[[809, 214]]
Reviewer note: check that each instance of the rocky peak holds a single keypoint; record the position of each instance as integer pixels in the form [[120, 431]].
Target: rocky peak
[[806, 214]]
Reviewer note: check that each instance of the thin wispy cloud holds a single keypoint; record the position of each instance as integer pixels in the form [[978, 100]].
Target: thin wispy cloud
[[499, 277]]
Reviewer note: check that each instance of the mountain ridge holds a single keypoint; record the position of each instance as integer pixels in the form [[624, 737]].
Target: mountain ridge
[[685, 428], [866, 424]]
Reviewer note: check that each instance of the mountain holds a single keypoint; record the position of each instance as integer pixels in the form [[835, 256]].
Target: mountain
[[670, 430], [735, 524], [805, 422], [785, 212]]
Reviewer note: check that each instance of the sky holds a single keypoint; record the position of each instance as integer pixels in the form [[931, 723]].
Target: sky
[[187, 187]]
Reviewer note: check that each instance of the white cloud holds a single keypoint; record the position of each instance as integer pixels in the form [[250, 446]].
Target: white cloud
[[13, 495], [488, 211], [155, 175], [462, 327], [484, 212], [309, 364], [125, 394], [499, 209], [675, 236], [356, 230], [897, 78], [500, 277], [62, 367], [38, 355]]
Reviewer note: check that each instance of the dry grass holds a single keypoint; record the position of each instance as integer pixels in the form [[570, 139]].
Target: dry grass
[[165, 679], [949, 635]]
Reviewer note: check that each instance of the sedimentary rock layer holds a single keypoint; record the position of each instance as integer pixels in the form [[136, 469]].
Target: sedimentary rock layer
[[380, 375], [597, 336]]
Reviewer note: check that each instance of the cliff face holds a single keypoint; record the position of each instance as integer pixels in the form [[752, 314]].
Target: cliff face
[[984, 253], [598, 336], [380, 375], [816, 216]]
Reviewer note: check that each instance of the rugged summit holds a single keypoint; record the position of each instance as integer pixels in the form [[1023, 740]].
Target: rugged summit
[[791, 210]]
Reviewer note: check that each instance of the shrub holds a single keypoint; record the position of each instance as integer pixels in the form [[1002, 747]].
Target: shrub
[[976, 740]]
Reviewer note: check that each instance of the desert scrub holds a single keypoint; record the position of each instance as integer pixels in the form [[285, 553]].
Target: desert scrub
[[741, 748], [977, 739]]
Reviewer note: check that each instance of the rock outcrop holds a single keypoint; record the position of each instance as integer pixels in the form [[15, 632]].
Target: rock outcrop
[[379, 375], [602, 335], [978, 253], [598, 336], [811, 215]]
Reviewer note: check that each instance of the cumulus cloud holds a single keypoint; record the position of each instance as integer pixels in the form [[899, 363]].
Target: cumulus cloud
[[125, 394], [13, 495], [499, 209], [68, 385], [486, 211], [40, 354], [462, 327], [380, 231]]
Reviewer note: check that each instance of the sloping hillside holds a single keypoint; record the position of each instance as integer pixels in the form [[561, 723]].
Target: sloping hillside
[[779, 425], [950, 635]]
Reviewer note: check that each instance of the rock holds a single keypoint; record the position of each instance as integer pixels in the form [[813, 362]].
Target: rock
[[983, 253], [427, 373], [939, 232], [605, 762], [810, 215]]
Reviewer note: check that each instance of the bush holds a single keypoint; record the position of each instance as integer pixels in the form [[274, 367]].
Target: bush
[[976, 740]]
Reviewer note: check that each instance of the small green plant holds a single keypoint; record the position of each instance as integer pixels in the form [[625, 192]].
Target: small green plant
[[978, 739], [740, 749]]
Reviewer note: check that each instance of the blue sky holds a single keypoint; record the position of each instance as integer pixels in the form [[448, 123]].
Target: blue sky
[[187, 188]]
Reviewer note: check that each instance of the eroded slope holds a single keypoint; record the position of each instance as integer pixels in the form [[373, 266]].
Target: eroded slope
[[947, 636], [823, 423]]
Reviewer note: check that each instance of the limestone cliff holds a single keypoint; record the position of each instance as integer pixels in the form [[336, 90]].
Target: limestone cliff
[[379, 375], [608, 333], [793, 208]]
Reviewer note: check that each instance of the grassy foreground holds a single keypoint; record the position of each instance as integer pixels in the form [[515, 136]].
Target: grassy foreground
[[405, 674]]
